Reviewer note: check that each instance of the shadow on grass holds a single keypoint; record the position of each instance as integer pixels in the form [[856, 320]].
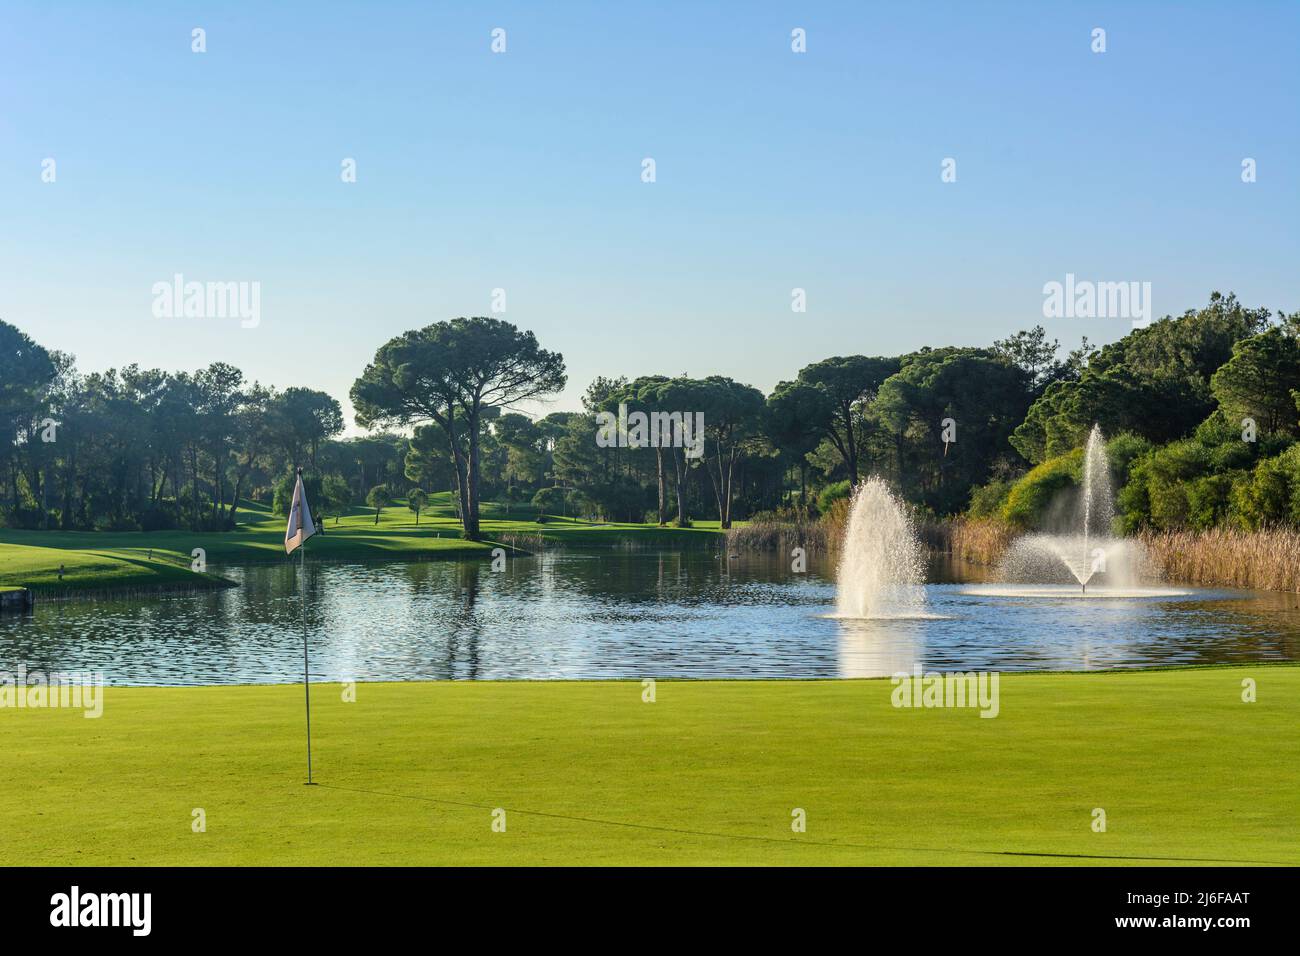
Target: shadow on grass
[[753, 838]]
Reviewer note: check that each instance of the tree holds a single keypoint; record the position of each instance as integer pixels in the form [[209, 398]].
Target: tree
[[641, 395], [549, 501], [463, 365], [302, 419], [428, 462], [681, 396], [798, 417], [1033, 353], [252, 433], [1259, 379], [525, 457], [336, 497], [379, 498], [986, 397], [416, 500], [847, 382], [1154, 382], [26, 372], [733, 415]]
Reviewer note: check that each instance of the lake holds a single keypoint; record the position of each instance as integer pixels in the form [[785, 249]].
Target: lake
[[621, 614]]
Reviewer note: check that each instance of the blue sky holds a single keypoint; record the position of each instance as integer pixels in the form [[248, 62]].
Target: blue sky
[[521, 171]]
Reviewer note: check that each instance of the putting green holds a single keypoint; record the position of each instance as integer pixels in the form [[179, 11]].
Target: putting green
[[709, 773]]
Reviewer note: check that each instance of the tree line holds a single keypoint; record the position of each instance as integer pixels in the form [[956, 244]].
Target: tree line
[[955, 429]]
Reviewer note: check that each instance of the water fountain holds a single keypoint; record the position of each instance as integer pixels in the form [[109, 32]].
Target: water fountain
[[882, 568], [1082, 550]]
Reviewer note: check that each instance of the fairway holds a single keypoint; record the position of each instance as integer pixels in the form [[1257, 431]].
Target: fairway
[[709, 773], [162, 560]]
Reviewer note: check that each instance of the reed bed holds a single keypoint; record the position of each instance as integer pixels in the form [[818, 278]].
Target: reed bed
[[981, 540], [766, 534], [1267, 560], [527, 542], [977, 540]]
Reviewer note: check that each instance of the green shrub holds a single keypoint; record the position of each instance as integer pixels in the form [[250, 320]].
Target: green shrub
[[1122, 450], [1031, 496], [1133, 502], [1208, 500], [283, 499], [988, 500], [549, 501], [1265, 498], [831, 494], [1169, 473]]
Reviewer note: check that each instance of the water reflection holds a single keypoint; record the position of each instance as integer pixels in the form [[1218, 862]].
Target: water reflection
[[618, 614], [879, 648]]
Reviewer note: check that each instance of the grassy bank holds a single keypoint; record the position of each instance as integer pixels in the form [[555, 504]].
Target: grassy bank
[[587, 773], [95, 562]]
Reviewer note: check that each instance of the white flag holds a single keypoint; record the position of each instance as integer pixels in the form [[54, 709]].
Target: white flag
[[300, 526]]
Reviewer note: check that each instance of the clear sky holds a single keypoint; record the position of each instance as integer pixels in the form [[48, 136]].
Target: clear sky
[[522, 171]]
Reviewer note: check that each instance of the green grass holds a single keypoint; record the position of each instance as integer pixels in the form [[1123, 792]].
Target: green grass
[[708, 774], [100, 560]]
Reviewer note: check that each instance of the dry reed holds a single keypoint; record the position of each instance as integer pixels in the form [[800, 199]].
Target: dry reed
[[1267, 560], [774, 535], [978, 540]]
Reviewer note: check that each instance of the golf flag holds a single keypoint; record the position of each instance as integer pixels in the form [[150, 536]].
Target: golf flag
[[300, 526]]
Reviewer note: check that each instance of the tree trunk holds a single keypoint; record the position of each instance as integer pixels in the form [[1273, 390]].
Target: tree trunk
[[659, 465], [679, 467], [716, 481], [471, 522], [462, 478], [726, 490], [194, 488]]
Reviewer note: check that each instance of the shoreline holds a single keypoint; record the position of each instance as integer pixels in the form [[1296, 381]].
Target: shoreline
[[107, 565], [593, 681]]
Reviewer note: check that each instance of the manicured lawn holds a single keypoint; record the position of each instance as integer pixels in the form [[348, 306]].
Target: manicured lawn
[[96, 560], [90, 563], [708, 774]]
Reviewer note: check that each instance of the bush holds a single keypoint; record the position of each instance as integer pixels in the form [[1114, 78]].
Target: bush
[[1123, 450], [1263, 499], [379, 497], [1169, 474], [1209, 500], [548, 501], [831, 494], [158, 518], [1134, 504], [336, 495], [1031, 496], [988, 500], [283, 499]]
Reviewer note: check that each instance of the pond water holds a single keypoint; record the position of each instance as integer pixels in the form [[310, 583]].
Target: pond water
[[630, 614]]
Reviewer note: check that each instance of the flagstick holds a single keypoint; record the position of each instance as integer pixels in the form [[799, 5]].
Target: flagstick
[[306, 682]]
